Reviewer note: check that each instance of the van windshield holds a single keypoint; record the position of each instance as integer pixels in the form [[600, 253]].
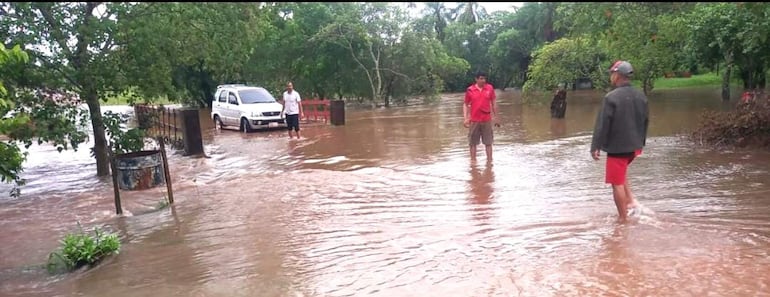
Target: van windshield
[[250, 96]]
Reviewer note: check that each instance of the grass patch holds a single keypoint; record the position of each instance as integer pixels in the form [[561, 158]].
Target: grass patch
[[125, 99], [80, 249], [162, 204], [698, 80]]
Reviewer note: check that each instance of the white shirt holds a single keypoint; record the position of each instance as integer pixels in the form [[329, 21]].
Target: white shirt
[[291, 102]]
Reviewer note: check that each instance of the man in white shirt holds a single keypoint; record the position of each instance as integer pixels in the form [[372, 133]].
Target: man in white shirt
[[292, 109]]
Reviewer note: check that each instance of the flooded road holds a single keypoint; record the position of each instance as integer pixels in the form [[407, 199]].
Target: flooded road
[[389, 205]]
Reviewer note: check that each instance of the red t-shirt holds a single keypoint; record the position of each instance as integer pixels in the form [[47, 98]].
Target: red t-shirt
[[481, 101]]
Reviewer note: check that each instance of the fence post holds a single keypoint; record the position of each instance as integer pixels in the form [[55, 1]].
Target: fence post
[[337, 114], [193, 140], [114, 171], [166, 172]]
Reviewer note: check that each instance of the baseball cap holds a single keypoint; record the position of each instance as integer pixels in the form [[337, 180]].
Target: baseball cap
[[622, 67]]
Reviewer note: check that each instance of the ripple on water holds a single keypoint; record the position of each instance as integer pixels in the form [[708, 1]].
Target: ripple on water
[[404, 213]]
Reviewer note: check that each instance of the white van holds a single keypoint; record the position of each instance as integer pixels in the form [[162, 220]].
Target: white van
[[245, 107]]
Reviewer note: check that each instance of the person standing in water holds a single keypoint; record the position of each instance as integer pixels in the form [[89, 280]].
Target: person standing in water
[[621, 131], [292, 108], [479, 114]]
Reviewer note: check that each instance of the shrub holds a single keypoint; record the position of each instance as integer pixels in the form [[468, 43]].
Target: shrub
[[79, 249], [747, 125]]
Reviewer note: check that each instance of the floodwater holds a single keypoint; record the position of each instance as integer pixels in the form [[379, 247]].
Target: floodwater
[[389, 205]]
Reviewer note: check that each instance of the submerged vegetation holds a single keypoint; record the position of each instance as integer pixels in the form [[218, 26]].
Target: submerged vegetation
[[380, 53], [746, 126], [80, 249]]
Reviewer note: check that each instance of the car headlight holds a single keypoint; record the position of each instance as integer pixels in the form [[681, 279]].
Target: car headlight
[[256, 114]]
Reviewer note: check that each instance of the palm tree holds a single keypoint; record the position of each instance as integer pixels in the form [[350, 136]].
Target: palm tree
[[468, 12], [440, 15]]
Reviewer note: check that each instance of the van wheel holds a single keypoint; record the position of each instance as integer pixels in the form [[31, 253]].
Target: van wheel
[[218, 123], [245, 125]]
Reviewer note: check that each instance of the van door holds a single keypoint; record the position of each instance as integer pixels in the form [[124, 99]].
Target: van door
[[220, 98], [233, 110], [219, 106]]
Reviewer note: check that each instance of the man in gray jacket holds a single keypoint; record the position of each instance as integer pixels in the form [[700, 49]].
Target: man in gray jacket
[[621, 131]]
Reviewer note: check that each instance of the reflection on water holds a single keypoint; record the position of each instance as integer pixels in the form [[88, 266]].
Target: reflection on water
[[389, 205]]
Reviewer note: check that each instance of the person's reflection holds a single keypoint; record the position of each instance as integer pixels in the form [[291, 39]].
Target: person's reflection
[[614, 255], [481, 190], [558, 127]]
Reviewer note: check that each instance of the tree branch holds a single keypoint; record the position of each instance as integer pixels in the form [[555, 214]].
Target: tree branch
[[58, 69], [81, 51], [109, 43], [395, 72], [54, 28]]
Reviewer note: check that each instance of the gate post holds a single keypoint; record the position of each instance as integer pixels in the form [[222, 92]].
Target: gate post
[[193, 140], [337, 115]]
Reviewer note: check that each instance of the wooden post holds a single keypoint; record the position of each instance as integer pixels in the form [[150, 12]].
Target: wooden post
[[337, 108], [166, 172], [114, 169], [191, 133]]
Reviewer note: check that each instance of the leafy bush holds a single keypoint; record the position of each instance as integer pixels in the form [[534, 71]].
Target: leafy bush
[[81, 249], [748, 124], [163, 203], [130, 140]]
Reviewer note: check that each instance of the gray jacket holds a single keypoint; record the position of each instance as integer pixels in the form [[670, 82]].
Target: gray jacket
[[621, 125]]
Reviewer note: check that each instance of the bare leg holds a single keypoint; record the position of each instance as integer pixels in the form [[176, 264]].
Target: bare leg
[[289, 134], [473, 153], [297, 132], [489, 153], [630, 197], [621, 201]]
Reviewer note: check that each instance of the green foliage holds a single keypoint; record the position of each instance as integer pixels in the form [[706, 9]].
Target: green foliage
[[10, 154], [564, 61], [79, 249], [648, 35], [28, 117], [123, 140], [699, 80], [162, 204], [127, 52]]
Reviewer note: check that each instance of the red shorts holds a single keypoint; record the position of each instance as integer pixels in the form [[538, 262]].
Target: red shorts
[[617, 167]]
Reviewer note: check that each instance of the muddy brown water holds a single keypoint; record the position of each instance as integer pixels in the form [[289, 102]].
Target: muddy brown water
[[389, 205]]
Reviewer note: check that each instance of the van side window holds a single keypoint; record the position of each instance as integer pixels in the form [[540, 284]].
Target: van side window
[[223, 96], [232, 99]]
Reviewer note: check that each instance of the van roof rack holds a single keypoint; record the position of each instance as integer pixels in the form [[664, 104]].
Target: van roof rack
[[230, 85]]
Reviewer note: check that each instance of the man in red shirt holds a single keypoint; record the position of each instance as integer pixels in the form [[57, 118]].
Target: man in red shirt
[[479, 112]]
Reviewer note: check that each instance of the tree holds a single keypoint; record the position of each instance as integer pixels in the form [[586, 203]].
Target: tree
[[641, 33], [438, 15], [184, 50], [10, 154], [74, 42], [28, 115], [367, 31], [566, 60], [419, 64], [468, 13], [733, 34]]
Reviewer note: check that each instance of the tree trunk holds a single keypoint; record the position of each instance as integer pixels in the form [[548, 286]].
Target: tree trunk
[[548, 33], [100, 139], [726, 77], [647, 86]]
